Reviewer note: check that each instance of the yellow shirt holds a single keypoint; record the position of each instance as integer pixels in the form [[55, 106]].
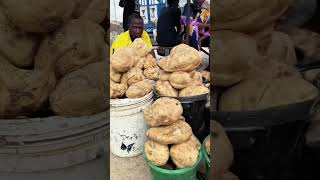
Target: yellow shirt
[[125, 40]]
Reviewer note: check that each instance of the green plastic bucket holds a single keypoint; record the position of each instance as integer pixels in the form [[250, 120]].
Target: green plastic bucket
[[206, 157], [189, 173]]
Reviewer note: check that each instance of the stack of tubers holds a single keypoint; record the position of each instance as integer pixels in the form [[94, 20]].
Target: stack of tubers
[[52, 57]]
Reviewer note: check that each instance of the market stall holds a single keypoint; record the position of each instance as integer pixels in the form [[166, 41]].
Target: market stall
[[144, 94]]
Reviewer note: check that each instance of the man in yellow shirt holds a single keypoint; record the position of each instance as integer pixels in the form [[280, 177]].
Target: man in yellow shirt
[[135, 31]]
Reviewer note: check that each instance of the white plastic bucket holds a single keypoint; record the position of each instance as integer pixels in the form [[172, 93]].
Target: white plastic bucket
[[127, 125]]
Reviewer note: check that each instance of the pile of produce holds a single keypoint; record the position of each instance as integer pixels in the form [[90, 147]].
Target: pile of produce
[[171, 143], [131, 70], [178, 75], [52, 55], [254, 63]]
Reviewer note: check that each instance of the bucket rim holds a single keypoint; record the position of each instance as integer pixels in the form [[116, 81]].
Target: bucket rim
[[129, 101], [201, 97], [179, 171], [204, 150]]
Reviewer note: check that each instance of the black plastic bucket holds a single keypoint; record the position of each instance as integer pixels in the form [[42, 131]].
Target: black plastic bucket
[[195, 113], [267, 144]]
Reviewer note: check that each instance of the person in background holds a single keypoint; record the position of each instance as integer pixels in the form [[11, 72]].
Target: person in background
[[203, 23], [135, 31], [169, 25], [195, 8], [129, 7], [199, 23], [193, 33]]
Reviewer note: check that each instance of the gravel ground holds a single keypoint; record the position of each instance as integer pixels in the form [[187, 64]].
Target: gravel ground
[[128, 168]]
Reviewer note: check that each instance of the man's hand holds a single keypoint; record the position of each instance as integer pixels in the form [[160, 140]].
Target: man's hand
[[152, 53]]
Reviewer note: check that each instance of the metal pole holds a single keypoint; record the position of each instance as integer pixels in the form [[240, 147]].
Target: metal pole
[[188, 21]]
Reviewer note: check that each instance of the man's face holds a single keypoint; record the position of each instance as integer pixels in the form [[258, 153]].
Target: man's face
[[136, 29]]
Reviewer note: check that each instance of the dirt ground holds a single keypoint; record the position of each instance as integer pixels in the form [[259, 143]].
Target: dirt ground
[[128, 168], [134, 168]]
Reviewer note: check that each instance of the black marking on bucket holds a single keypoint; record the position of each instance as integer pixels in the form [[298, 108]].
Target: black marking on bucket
[[128, 148]]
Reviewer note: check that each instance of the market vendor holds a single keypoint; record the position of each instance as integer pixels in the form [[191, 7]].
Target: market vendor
[[135, 31]]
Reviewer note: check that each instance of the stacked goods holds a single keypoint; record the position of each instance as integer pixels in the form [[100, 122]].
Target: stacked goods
[[178, 76], [48, 57], [250, 55], [171, 141], [131, 70]]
